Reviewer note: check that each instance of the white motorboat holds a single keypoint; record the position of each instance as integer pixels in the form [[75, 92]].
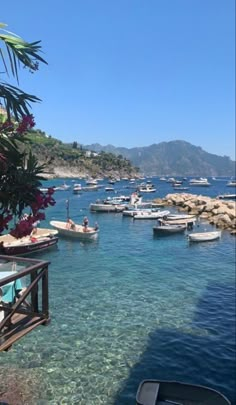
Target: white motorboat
[[227, 197], [77, 188], [231, 183], [63, 187], [109, 189], [77, 232], [200, 182], [91, 182], [151, 215], [101, 207], [204, 236], [90, 188], [189, 222]]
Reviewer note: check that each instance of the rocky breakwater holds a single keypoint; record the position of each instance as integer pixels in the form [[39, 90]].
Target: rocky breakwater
[[220, 213]]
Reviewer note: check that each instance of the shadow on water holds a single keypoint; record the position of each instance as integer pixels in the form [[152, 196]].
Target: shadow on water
[[202, 353]]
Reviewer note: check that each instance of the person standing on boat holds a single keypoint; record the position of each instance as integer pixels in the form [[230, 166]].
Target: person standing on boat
[[85, 224], [34, 226]]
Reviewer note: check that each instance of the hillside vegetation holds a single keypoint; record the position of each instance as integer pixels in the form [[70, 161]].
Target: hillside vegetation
[[72, 160]]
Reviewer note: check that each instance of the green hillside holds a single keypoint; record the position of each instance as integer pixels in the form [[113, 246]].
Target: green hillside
[[72, 160]]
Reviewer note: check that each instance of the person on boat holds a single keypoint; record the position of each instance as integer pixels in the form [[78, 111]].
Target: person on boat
[[2, 250], [96, 227], [34, 226], [85, 224], [70, 224]]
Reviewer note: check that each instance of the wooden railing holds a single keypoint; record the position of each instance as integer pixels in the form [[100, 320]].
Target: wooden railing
[[30, 306]]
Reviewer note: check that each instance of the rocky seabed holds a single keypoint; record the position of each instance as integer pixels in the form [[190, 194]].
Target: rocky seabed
[[220, 213]]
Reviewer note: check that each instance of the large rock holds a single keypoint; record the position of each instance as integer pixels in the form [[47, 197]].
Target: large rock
[[217, 212]]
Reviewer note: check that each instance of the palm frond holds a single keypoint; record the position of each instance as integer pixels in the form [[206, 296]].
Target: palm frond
[[16, 100]]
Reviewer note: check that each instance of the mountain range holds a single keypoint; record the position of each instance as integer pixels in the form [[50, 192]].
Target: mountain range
[[177, 158]]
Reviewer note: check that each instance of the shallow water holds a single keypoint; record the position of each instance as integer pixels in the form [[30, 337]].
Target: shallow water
[[128, 307]]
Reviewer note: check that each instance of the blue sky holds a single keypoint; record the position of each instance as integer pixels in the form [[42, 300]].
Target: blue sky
[[132, 72]]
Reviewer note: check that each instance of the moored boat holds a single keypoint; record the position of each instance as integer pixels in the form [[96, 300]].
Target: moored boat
[[231, 183], [227, 197], [168, 229], [174, 217], [101, 207], [151, 215], [27, 245], [155, 392], [184, 221], [204, 236], [200, 182], [77, 232], [77, 188]]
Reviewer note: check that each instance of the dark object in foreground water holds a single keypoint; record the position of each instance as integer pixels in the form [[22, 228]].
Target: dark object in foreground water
[[154, 392]]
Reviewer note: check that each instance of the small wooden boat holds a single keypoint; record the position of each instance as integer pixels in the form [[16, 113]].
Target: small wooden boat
[[204, 236], [77, 232], [26, 246], [168, 229], [153, 392]]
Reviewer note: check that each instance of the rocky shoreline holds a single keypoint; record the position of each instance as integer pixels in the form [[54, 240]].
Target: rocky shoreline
[[220, 213]]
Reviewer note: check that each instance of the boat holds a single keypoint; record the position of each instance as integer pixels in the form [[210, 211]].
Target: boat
[[227, 197], [199, 182], [168, 229], [155, 392], [179, 188], [63, 187], [77, 188], [174, 217], [109, 189], [91, 182], [77, 232], [102, 207], [27, 245], [151, 215], [90, 188], [204, 236], [189, 222], [38, 233], [146, 188], [231, 183]]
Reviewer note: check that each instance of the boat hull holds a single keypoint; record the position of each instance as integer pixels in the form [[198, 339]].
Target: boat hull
[[204, 236], [168, 230], [77, 233], [106, 208], [24, 248]]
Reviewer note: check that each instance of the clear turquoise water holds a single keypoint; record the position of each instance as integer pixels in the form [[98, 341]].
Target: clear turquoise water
[[128, 307]]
